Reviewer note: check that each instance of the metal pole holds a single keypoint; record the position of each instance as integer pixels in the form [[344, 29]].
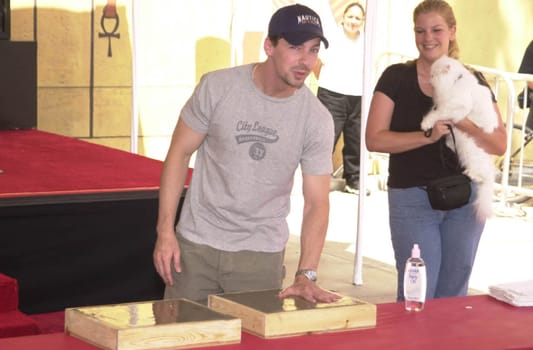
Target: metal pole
[[134, 80], [368, 79]]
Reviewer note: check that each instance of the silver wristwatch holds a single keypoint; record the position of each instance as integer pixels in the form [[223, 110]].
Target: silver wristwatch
[[310, 274]]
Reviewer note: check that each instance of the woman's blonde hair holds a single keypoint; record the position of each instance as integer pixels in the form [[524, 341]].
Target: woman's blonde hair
[[446, 11]]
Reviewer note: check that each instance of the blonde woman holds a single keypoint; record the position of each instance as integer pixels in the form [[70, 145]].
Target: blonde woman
[[448, 239]]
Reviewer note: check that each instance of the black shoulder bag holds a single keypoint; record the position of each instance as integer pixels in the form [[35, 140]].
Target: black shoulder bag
[[449, 192]]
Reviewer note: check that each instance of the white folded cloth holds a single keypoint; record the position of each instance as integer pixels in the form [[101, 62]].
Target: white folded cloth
[[515, 293]]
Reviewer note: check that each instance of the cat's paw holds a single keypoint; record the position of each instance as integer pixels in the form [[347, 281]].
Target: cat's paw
[[427, 123], [475, 176]]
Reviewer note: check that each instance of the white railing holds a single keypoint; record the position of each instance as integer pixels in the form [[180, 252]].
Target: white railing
[[505, 191]]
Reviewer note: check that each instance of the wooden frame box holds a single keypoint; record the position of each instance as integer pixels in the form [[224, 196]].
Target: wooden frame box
[[162, 324], [264, 314]]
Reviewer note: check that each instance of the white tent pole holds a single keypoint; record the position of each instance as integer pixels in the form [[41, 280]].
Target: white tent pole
[[368, 82], [134, 80]]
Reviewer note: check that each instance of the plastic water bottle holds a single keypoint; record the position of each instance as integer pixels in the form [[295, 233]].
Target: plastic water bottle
[[414, 281]]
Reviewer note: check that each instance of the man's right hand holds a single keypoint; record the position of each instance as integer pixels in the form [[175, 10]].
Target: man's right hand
[[167, 256]]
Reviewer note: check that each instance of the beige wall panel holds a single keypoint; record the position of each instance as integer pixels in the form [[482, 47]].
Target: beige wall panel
[[63, 35], [64, 111], [111, 112], [252, 46], [22, 20], [141, 148], [122, 143], [211, 54], [160, 108], [520, 17], [473, 37], [494, 33], [113, 37]]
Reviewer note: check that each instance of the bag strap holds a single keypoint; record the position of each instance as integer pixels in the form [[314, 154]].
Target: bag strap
[[441, 148]]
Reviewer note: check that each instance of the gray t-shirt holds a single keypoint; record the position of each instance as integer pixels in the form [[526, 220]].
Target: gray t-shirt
[[239, 196]]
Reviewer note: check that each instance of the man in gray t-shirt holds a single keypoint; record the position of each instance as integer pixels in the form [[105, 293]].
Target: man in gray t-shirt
[[252, 126]]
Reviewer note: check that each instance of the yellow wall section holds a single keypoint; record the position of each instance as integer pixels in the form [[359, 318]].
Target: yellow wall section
[[84, 93]]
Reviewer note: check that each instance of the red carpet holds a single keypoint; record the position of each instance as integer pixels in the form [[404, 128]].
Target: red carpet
[[51, 322], [35, 162], [13, 323], [9, 292], [16, 324]]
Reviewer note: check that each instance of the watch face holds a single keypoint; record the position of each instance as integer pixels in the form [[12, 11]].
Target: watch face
[[310, 274]]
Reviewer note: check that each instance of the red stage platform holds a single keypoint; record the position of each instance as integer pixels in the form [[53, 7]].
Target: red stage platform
[[469, 323], [77, 221], [40, 167]]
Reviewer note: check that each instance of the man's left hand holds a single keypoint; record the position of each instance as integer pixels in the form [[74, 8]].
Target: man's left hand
[[309, 290]]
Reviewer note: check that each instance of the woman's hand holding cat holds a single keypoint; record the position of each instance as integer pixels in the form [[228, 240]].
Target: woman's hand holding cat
[[440, 129]]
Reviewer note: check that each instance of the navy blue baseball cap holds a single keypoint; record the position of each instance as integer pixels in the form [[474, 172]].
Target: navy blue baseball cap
[[296, 24]]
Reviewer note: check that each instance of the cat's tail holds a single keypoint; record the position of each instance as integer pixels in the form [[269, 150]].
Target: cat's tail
[[483, 200]]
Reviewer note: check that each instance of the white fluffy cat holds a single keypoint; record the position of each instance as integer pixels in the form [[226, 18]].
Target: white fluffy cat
[[457, 94]]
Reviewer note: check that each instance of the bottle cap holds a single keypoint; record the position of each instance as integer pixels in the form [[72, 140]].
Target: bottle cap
[[415, 252]]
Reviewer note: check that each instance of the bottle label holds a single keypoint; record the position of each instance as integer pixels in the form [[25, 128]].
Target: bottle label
[[414, 284]]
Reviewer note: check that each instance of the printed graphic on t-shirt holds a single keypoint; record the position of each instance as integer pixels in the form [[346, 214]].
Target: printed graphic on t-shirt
[[258, 135]]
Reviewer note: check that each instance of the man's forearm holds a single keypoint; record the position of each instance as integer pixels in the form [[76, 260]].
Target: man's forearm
[[171, 189], [313, 235]]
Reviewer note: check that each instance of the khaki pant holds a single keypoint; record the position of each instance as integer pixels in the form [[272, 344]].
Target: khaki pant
[[206, 270]]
